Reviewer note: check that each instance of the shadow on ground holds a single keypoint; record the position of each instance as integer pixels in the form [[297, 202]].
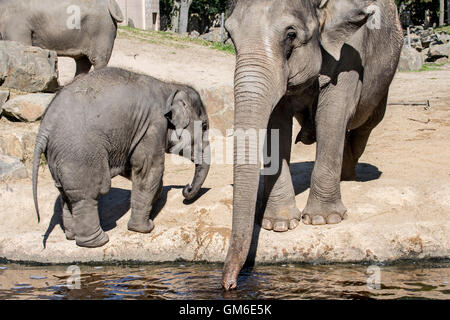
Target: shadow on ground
[[112, 207]]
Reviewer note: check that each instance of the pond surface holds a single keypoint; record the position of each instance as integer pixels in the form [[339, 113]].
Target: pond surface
[[424, 280]]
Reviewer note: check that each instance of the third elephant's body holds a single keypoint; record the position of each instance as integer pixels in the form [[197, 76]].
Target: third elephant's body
[[82, 29]]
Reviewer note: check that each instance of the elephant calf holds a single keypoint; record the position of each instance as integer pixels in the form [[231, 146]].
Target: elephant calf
[[114, 122]]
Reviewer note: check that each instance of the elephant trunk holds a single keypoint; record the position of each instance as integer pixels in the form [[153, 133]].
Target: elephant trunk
[[257, 91], [201, 172]]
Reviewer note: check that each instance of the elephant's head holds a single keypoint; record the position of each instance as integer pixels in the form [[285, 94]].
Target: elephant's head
[[279, 47], [188, 134]]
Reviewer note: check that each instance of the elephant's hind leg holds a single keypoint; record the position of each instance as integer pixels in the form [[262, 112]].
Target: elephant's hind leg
[[356, 142], [67, 217], [88, 232], [83, 186], [281, 213]]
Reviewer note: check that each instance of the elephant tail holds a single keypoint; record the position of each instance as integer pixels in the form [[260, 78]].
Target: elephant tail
[[39, 149], [115, 11]]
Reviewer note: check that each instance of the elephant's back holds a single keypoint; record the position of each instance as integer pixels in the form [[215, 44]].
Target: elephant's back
[[103, 110], [68, 27]]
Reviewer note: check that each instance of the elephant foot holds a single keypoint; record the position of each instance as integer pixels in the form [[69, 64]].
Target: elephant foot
[[319, 213], [99, 239], [141, 226], [281, 220]]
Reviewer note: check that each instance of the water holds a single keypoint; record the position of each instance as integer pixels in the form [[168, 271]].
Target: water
[[424, 280]]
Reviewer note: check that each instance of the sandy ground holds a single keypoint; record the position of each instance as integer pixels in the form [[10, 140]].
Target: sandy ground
[[192, 64], [399, 208]]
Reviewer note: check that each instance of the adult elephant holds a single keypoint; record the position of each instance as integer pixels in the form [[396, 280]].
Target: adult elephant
[[329, 64], [81, 29]]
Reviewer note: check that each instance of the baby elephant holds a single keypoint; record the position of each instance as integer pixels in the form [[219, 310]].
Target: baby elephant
[[114, 122]]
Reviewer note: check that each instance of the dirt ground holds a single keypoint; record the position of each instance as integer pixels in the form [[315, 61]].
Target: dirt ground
[[399, 208]]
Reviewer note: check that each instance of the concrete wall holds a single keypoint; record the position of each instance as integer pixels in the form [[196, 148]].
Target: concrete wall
[[143, 13]]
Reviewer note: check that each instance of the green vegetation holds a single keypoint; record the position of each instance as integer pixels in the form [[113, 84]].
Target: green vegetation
[[446, 29], [172, 39], [43, 162], [430, 66]]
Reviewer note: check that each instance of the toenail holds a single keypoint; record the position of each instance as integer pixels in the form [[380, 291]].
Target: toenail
[[280, 226], [318, 220], [293, 224], [334, 218], [266, 224]]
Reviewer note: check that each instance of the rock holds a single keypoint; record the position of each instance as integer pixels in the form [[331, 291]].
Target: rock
[[11, 169], [194, 34], [415, 42], [29, 69], [28, 108], [18, 139], [214, 35], [427, 41], [410, 60], [219, 103], [439, 51], [442, 60], [425, 53], [4, 96], [444, 37]]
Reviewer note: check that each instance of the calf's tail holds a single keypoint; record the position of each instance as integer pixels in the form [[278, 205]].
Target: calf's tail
[[39, 149]]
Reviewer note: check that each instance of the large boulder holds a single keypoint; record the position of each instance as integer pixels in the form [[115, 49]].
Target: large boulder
[[11, 169], [219, 103], [439, 51], [29, 107], [29, 69], [410, 59], [215, 35], [444, 37], [18, 139]]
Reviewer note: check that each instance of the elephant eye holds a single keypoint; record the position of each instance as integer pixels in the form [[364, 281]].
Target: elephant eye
[[292, 35]]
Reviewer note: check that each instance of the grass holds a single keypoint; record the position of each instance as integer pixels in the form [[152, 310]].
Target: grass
[[172, 39], [446, 29], [43, 162], [431, 66]]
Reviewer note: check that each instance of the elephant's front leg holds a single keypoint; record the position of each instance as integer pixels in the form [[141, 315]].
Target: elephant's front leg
[[281, 213], [147, 186], [324, 204]]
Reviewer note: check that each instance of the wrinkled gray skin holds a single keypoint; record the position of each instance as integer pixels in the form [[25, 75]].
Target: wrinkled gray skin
[[48, 24], [316, 61], [114, 122]]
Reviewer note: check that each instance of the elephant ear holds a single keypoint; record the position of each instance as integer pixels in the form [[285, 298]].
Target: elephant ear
[[177, 110], [340, 20], [115, 11]]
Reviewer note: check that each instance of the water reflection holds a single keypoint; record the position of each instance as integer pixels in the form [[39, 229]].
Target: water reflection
[[194, 281]]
